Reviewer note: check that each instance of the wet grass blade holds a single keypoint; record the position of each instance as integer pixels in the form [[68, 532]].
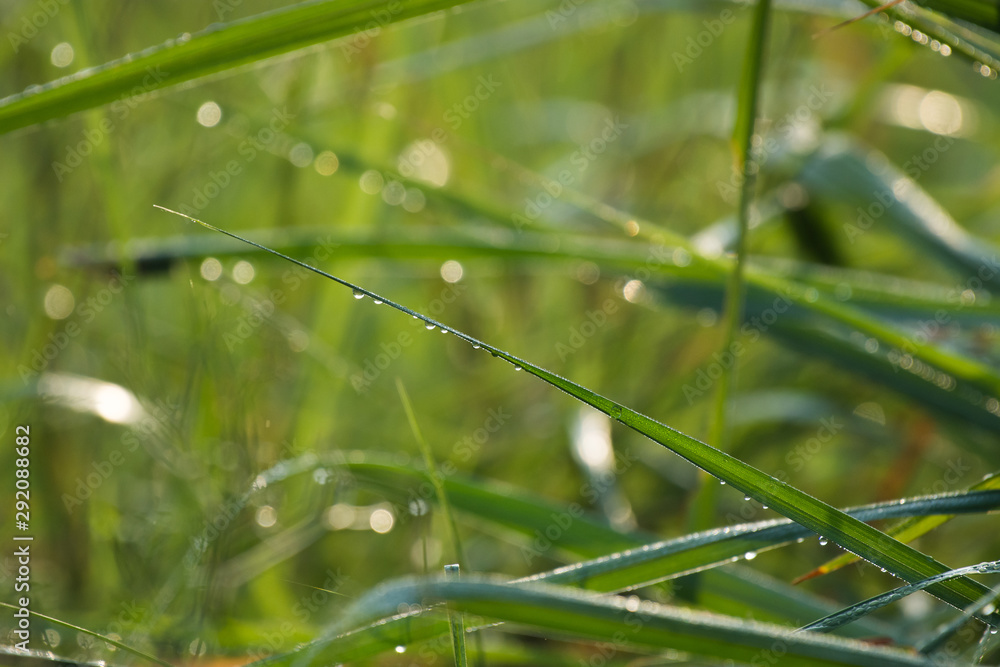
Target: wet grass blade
[[639, 559], [853, 535], [629, 623], [862, 609], [905, 531], [117, 644], [218, 48]]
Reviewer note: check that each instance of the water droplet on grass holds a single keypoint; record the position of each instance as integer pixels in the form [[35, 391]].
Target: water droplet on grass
[[401, 649], [358, 294], [429, 326], [722, 482], [823, 541], [476, 347], [763, 507], [746, 497], [750, 555], [517, 368], [376, 302]]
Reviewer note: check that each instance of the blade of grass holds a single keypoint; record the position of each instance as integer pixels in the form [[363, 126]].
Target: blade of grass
[[840, 172], [218, 48], [457, 622], [631, 624], [640, 561], [905, 531], [870, 605], [704, 503], [853, 535], [117, 644], [439, 490]]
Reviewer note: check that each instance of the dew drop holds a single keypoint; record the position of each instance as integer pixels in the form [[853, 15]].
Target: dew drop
[[993, 631], [476, 347], [882, 568], [750, 555], [376, 302], [823, 541], [444, 331], [722, 482], [429, 326], [400, 649], [746, 497], [763, 507], [517, 368], [358, 294]]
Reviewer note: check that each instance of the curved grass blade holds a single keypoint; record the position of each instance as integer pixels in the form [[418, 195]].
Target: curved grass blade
[[640, 561], [840, 172], [850, 533], [117, 644], [629, 623], [862, 609], [905, 531], [217, 48]]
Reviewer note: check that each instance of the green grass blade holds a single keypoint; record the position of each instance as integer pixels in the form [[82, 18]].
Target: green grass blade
[[428, 456], [457, 622], [977, 45], [640, 560], [117, 644], [218, 48], [820, 517], [628, 622], [841, 172], [862, 609], [733, 306], [908, 530]]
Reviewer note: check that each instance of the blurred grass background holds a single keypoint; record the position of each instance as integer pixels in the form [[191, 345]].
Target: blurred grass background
[[545, 79]]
